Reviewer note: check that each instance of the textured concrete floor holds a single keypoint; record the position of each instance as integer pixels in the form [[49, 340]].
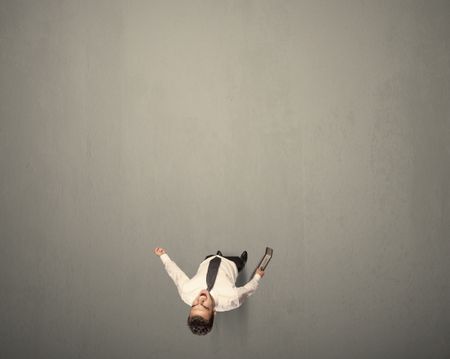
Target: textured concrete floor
[[320, 128]]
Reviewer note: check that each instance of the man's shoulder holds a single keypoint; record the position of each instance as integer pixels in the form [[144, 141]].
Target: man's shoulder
[[227, 299], [229, 306]]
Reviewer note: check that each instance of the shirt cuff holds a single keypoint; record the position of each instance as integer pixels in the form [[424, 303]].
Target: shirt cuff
[[257, 277], [164, 258]]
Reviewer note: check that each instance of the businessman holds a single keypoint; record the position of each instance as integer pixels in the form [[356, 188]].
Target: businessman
[[212, 289]]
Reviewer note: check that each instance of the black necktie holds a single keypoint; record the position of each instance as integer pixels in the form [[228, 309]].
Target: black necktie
[[213, 268]]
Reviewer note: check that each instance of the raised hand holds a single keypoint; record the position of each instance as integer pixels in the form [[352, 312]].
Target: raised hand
[[260, 272], [159, 251]]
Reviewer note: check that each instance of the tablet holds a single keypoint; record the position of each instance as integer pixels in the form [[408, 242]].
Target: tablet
[[265, 259]]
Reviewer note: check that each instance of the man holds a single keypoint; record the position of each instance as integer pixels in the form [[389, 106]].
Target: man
[[212, 288]]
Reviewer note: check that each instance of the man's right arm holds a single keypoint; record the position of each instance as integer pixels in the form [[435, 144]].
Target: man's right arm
[[251, 286]]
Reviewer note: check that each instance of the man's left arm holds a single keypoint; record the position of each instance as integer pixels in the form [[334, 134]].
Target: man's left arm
[[174, 272]]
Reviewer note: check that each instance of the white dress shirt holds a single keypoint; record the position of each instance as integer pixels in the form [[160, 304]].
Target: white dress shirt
[[225, 293]]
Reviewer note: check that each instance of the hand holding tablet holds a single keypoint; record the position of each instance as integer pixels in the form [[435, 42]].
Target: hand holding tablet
[[264, 261]]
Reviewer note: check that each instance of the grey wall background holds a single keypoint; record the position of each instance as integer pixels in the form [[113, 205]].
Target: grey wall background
[[320, 128]]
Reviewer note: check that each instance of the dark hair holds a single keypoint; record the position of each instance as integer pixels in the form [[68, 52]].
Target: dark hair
[[199, 325]]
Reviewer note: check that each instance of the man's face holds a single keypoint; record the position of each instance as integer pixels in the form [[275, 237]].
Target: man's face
[[203, 305]]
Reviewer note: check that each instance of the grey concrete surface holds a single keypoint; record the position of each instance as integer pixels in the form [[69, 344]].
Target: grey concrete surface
[[320, 128]]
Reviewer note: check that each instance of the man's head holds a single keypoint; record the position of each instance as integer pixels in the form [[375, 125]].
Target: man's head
[[201, 316]]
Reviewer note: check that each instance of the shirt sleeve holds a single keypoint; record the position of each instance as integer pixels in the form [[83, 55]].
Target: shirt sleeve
[[248, 289], [174, 272]]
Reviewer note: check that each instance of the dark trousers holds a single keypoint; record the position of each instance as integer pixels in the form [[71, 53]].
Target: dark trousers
[[240, 264]]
